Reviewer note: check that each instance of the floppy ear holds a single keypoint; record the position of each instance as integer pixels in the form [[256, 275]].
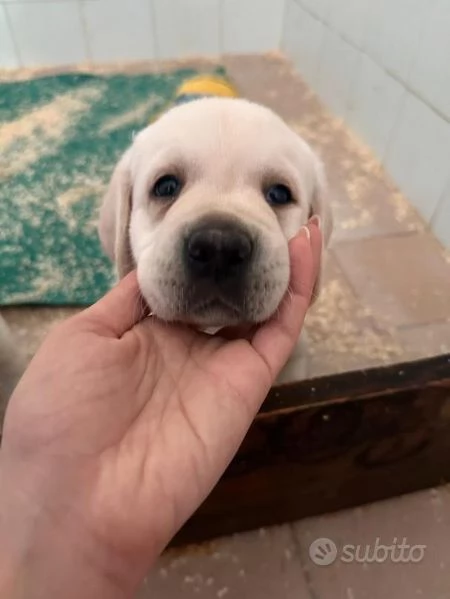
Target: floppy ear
[[114, 223], [320, 206]]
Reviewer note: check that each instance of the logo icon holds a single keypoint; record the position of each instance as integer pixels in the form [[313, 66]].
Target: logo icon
[[323, 551]]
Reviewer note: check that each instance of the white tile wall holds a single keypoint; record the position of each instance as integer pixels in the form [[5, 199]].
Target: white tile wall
[[364, 57], [441, 218], [36, 1], [374, 105], [431, 72], [8, 54], [337, 67], [393, 32], [385, 67], [118, 30], [47, 33], [251, 25], [319, 8], [302, 40], [186, 28], [418, 156], [349, 18]]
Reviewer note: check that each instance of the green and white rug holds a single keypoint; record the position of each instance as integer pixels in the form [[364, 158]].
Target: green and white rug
[[60, 138]]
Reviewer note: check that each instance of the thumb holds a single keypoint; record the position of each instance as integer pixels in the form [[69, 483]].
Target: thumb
[[119, 310]]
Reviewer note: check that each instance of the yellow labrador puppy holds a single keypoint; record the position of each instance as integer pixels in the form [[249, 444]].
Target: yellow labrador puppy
[[204, 203]]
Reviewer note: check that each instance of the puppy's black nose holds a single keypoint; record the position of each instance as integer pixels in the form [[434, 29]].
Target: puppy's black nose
[[218, 250]]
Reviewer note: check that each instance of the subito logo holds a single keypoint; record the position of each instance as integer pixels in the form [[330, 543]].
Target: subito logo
[[323, 551]]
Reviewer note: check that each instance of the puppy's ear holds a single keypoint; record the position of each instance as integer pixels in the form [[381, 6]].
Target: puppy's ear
[[114, 223], [320, 206]]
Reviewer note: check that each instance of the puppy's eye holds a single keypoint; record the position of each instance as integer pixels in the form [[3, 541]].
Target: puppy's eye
[[279, 195], [167, 186]]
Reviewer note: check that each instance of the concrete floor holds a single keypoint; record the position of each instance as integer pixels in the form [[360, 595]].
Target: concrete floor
[[386, 298]]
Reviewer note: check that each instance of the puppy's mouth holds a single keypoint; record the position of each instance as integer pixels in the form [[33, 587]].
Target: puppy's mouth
[[221, 274], [217, 254], [216, 311], [216, 304]]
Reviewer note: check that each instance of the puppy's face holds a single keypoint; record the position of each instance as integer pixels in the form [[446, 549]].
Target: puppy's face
[[204, 203]]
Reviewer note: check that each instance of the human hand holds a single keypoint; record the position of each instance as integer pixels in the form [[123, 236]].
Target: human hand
[[120, 428]]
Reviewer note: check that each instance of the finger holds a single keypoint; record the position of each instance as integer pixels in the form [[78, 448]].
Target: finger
[[316, 241], [119, 310], [303, 280], [276, 339]]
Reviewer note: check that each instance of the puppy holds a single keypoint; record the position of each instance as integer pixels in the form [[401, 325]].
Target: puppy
[[204, 203]]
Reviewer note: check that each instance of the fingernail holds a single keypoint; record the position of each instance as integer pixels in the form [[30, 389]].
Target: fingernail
[[316, 220], [305, 231]]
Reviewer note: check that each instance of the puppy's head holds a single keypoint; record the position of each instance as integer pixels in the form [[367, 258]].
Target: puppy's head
[[203, 204]]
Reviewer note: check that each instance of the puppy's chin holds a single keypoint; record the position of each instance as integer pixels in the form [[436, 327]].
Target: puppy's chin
[[215, 314], [212, 313]]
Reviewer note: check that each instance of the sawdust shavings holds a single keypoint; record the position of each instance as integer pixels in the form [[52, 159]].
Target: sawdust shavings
[[338, 326], [403, 211], [50, 277], [68, 200], [363, 219], [138, 113], [360, 174], [41, 131]]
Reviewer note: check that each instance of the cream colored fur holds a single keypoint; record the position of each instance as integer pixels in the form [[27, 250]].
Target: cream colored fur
[[226, 151]]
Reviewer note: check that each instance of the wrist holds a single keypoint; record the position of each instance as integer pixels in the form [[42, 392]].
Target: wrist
[[45, 549]]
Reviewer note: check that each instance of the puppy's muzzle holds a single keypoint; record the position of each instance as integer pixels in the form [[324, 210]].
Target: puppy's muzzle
[[217, 252]]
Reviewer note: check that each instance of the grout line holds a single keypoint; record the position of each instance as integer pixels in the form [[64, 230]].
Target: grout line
[[13, 36], [348, 279], [386, 70], [397, 234], [415, 57], [341, 263], [403, 328], [86, 38], [312, 593]]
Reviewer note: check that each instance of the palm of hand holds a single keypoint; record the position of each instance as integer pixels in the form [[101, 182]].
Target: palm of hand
[[136, 422], [165, 398]]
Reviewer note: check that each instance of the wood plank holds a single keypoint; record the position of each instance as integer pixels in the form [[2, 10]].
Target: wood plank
[[332, 443]]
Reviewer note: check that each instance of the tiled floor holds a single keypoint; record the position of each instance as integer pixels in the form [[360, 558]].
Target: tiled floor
[[386, 298], [276, 564]]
